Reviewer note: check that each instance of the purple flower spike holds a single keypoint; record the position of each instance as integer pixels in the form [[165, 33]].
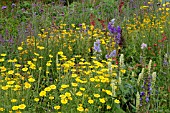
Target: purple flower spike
[[97, 46], [147, 99], [113, 53], [118, 29]]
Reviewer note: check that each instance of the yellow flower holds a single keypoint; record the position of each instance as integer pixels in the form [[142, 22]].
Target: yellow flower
[[96, 95], [108, 107], [80, 108], [31, 79], [10, 72], [20, 48], [2, 59], [64, 86], [3, 54], [48, 64], [90, 101], [2, 109], [74, 84], [36, 99], [116, 101], [123, 71], [52, 86], [22, 106], [102, 100], [27, 85], [13, 100], [24, 69], [17, 65], [64, 101], [57, 107], [10, 82], [74, 75], [51, 97], [15, 107], [60, 53], [4, 87], [79, 93], [47, 89], [108, 92], [67, 94], [82, 89], [42, 93]]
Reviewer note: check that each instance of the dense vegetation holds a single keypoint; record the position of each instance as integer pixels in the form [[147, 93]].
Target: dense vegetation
[[103, 56]]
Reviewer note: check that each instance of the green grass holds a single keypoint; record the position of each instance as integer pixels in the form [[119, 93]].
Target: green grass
[[49, 63]]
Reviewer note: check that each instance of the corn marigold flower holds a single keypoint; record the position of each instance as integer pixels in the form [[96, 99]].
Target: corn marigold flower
[[57, 107], [22, 106], [36, 99], [80, 108], [42, 93], [90, 101], [116, 101], [27, 85], [31, 79], [15, 108], [14, 100], [2, 109]]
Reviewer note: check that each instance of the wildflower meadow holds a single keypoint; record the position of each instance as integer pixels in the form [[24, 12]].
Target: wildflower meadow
[[84, 56]]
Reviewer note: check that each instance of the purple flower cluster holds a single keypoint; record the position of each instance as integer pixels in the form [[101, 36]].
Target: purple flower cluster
[[97, 46], [145, 94], [112, 54], [116, 31]]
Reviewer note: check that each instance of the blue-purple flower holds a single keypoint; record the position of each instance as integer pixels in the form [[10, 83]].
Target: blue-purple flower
[[97, 46], [4, 7], [111, 55], [13, 5]]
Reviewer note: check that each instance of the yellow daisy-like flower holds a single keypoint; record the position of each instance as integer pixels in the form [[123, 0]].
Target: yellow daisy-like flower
[[52, 86], [36, 99], [2, 109], [31, 79], [123, 71], [90, 101], [4, 87], [64, 101], [42, 93], [74, 84], [57, 107], [3, 54], [15, 108], [20, 48], [14, 100], [27, 85], [96, 95], [102, 100], [108, 107], [10, 72], [116, 101], [80, 108], [24, 69], [79, 93], [51, 97], [22, 106], [47, 89], [10, 82], [64, 86], [67, 94]]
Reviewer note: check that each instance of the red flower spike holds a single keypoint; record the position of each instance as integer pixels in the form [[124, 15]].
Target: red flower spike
[[120, 6]]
